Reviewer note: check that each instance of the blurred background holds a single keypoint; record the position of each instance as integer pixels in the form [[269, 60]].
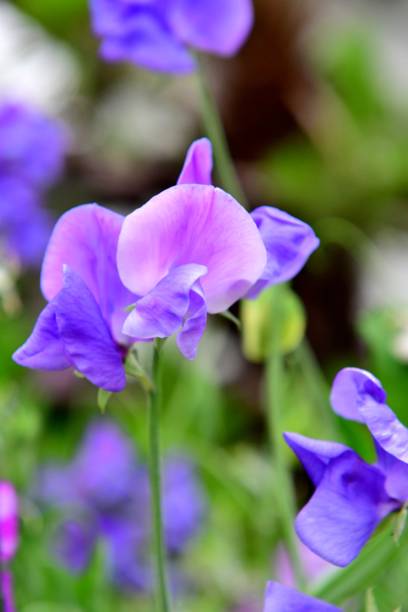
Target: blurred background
[[315, 108]]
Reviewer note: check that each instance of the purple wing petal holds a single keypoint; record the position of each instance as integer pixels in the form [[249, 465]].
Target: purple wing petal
[[85, 239], [345, 510], [171, 304], [44, 349], [194, 324], [216, 26], [192, 224], [86, 336], [353, 389], [279, 598], [289, 243], [314, 455], [386, 429], [198, 165]]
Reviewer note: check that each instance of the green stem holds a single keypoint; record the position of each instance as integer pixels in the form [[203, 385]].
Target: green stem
[[284, 494], [162, 596], [215, 131]]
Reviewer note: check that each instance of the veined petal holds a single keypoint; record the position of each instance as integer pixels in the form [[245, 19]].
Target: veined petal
[[314, 455], [353, 389], [198, 164], [280, 598], [345, 509], [162, 312], [289, 243], [44, 349], [192, 224], [86, 336], [216, 26], [85, 239]]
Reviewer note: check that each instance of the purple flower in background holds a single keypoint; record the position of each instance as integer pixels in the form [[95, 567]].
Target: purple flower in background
[[8, 522], [158, 34], [32, 148], [103, 496], [193, 250], [279, 598], [352, 497], [81, 325]]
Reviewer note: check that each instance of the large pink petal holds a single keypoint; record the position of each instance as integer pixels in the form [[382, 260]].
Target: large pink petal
[[192, 224]]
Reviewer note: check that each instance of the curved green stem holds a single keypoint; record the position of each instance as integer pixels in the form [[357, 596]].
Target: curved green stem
[[162, 596], [284, 495], [215, 131]]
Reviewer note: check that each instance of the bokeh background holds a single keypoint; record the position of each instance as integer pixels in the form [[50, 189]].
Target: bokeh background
[[315, 108]]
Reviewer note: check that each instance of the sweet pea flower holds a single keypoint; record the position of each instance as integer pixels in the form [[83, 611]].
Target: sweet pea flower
[[81, 325], [103, 497], [351, 496], [158, 34], [279, 598], [193, 250]]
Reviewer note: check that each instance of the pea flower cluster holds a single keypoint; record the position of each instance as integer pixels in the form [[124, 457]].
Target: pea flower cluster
[[103, 496], [352, 497], [189, 251], [31, 157], [158, 34]]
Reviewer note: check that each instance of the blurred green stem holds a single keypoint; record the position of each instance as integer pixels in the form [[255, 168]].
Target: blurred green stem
[[215, 131], [284, 494], [159, 553]]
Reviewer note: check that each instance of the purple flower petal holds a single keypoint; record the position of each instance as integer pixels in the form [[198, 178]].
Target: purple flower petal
[[279, 598], [86, 337], [192, 224], [345, 509], [396, 474], [139, 34], [85, 239], [75, 544], [354, 388], [105, 466], [314, 455], [174, 302], [198, 165], [44, 349], [216, 26], [289, 243], [386, 429]]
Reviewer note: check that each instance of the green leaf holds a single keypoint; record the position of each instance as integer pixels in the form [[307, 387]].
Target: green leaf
[[103, 399], [374, 559], [370, 605]]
